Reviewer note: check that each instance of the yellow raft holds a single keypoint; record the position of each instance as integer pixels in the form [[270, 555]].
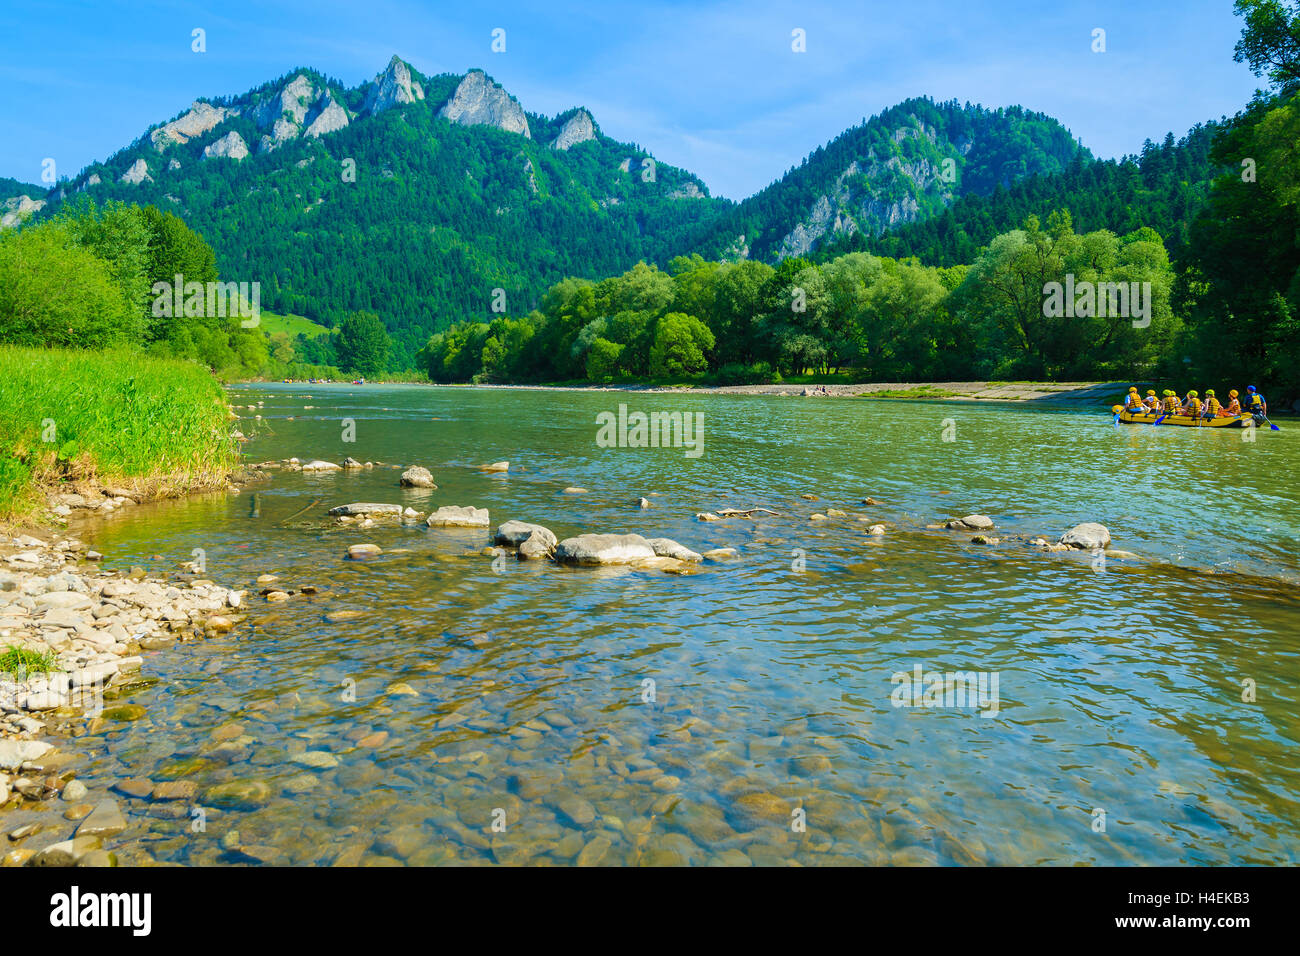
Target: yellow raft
[[1184, 421]]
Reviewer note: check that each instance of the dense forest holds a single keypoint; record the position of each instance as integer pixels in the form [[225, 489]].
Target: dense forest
[[886, 319]]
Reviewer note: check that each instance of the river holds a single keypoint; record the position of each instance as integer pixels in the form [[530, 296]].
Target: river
[[430, 707]]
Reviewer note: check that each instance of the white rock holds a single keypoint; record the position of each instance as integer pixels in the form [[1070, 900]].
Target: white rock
[[393, 87], [480, 102], [318, 465], [14, 753], [454, 516], [230, 146], [604, 549], [417, 477], [138, 173], [200, 119], [578, 128]]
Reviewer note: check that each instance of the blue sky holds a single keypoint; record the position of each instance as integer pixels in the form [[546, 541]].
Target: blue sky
[[712, 87]]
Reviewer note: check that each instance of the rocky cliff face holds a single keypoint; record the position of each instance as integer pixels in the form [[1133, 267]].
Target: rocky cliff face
[[13, 211], [578, 128], [201, 118], [299, 108], [872, 196], [480, 102], [332, 117], [392, 88], [230, 146], [138, 173]]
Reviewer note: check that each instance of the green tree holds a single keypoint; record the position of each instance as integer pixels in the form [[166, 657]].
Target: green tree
[[363, 344], [55, 292], [680, 342], [602, 360], [1270, 40]]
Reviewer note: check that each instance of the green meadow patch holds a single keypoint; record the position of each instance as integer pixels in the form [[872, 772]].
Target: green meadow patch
[[112, 417]]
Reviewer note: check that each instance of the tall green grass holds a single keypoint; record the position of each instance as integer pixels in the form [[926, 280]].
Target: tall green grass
[[112, 417]]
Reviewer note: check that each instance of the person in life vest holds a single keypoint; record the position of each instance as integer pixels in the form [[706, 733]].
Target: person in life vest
[[1133, 402], [1171, 402], [1210, 408], [1151, 402], [1255, 403], [1191, 404], [1233, 408]]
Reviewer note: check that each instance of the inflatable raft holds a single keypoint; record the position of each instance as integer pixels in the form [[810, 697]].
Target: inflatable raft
[[1185, 421]]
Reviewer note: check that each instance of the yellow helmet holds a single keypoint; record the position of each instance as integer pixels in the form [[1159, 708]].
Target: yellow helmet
[[1209, 392], [1233, 393], [1132, 388], [1151, 391], [1192, 393]]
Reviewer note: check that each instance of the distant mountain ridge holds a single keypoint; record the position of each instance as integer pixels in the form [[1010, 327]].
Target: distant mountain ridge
[[903, 165], [413, 196], [433, 199]]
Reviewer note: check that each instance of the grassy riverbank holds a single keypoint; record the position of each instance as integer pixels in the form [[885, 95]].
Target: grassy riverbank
[[157, 425]]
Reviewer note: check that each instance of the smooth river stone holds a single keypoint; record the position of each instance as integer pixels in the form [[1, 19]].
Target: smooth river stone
[[604, 549], [455, 516], [105, 820]]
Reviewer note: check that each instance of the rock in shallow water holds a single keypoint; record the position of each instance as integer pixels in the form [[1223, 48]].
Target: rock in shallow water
[[536, 547], [971, 523], [105, 820], [13, 753], [1087, 536], [366, 508], [239, 794], [604, 549], [668, 548], [455, 516], [417, 477], [514, 533]]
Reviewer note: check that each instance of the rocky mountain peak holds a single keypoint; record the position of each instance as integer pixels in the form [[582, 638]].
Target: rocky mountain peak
[[393, 87], [480, 102], [287, 113], [578, 128]]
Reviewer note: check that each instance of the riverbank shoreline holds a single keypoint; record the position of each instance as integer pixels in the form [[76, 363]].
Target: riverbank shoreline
[[73, 639], [1099, 393], [118, 425]]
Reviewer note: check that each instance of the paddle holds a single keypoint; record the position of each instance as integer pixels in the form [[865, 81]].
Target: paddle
[[1270, 424], [1160, 419]]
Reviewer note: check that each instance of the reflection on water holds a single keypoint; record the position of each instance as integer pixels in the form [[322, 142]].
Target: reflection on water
[[425, 709]]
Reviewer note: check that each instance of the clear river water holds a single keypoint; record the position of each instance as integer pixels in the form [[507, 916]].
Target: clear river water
[[428, 706]]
